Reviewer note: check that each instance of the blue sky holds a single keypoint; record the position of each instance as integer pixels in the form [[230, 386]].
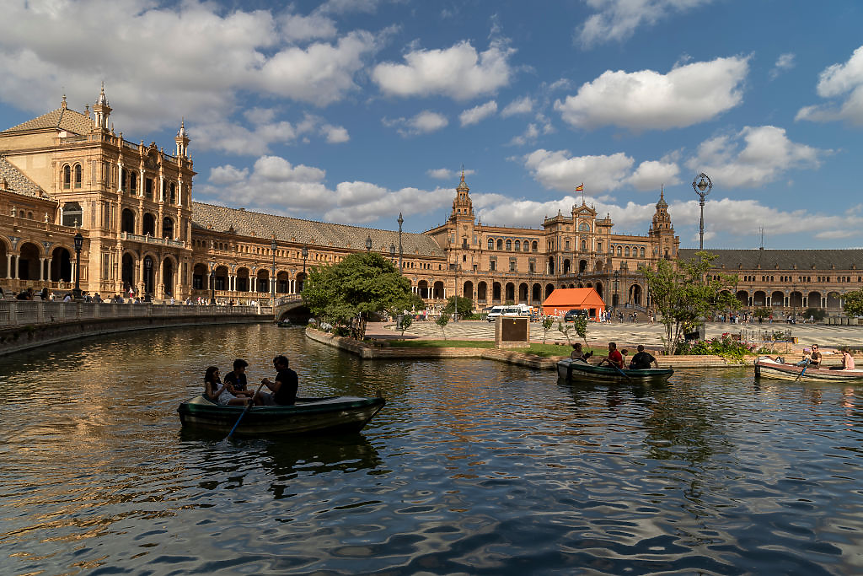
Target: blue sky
[[352, 111]]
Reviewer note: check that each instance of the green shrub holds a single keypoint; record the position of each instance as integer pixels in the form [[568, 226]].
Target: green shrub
[[724, 346]]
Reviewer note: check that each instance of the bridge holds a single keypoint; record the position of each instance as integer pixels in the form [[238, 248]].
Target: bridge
[[291, 308]]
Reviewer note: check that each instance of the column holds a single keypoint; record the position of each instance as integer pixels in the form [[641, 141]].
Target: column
[[41, 269], [120, 176], [8, 266], [15, 276], [49, 269]]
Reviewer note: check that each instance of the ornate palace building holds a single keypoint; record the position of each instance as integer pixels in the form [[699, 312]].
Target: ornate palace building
[[68, 172]]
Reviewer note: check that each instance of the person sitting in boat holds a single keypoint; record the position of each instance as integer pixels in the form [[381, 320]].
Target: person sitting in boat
[[614, 358], [815, 357], [579, 354], [236, 381], [218, 392], [847, 360], [642, 359], [284, 388]]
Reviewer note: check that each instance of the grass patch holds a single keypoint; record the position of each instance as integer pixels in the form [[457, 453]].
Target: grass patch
[[549, 350], [440, 343]]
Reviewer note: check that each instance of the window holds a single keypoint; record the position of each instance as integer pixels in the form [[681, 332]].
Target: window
[[512, 265], [491, 243], [535, 246], [133, 183], [517, 246], [626, 252], [72, 214], [567, 246], [620, 251], [173, 193], [599, 246], [499, 244], [78, 175], [492, 265], [148, 188], [526, 247], [509, 245], [67, 177], [583, 245], [641, 252]]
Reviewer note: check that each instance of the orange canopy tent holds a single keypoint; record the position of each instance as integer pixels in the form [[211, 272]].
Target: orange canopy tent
[[564, 299]]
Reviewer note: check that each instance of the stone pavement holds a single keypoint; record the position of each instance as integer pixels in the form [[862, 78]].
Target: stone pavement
[[629, 335]]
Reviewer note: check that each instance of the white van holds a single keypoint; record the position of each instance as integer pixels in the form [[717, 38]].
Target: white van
[[511, 310]]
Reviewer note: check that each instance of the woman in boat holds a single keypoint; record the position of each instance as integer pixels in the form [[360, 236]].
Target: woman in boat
[[847, 360], [218, 392], [579, 354]]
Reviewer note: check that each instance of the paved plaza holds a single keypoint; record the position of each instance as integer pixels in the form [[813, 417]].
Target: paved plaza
[[629, 335]]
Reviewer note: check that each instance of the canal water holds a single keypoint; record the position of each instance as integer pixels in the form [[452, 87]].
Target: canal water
[[473, 467]]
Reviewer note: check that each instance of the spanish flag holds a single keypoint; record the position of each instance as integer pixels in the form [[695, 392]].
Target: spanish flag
[[580, 187]]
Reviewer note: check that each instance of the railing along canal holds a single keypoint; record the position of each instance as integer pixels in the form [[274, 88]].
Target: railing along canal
[[22, 312]]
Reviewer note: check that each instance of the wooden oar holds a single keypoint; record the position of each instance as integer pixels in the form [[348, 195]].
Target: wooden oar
[[243, 413], [621, 372]]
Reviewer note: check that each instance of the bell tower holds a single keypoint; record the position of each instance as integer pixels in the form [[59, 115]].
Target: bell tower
[[462, 207], [662, 232], [182, 140], [102, 110]]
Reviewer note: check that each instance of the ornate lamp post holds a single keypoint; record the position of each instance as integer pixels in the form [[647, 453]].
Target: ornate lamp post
[[79, 243], [273, 278], [368, 243], [212, 283], [616, 286], [305, 255], [400, 221], [455, 297], [148, 275], [702, 188]]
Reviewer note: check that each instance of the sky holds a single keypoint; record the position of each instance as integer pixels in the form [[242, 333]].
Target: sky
[[353, 111]]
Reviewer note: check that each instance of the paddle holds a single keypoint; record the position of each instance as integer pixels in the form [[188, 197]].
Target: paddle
[[243, 413], [619, 371]]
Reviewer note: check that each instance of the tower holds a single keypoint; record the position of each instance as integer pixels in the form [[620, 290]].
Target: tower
[[662, 231], [182, 140], [102, 110]]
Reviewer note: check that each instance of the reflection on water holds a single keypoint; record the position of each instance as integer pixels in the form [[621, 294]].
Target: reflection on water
[[472, 467]]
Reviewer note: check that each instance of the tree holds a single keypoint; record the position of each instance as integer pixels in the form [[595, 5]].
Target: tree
[[442, 322], [564, 328], [465, 306], [547, 323], [686, 294], [580, 325], [407, 320], [345, 294], [854, 303]]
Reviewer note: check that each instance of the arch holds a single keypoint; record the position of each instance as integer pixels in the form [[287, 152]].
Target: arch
[[282, 282], [641, 252], [481, 292], [495, 292], [467, 290], [599, 289], [813, 300], [599, 266], [551, 264], [148, 224], [777, 298], [759, 298], [534, 247], [4, 251], [301, 280], [525, 246], [437, 290], [423, 289], [833, 300], [625, 252], [127, 221], [523, 295], [28, 261], [67, 177], [635, 294], [168, 227], [508, 245], [566, 266], [221, 280], [499, 244], [242, 280], [262, 284], [795, 299], [168, 268], [61, 265], [620, 251], [518, 245], [79, 175], [149, 269], [549, 288], [536, 292], [491, 243], [127, 271], [743, 297], [510, 292], [582, 266]]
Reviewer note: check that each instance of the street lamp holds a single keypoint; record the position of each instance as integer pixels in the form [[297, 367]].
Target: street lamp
[[702, 188], [616, 286], [368, 243], [273, 279], [212, 283], [455, 297], [148, 275], [79, 243], [305, 255], [400, 221]]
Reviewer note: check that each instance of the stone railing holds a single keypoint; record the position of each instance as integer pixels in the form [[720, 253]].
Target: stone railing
[[147, 239], [23, 312]]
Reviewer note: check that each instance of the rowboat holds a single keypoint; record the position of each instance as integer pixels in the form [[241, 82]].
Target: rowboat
[[766, 367], [578, 370], [307, 416]]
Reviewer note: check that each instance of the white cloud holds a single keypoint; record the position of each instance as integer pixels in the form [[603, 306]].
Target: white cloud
[[617, 20], [335, 134], [458, 72], [236, 139], [519, 106], [274, 185], [477, 114], [190, 58], [560, 171], [423, 123], [784, 63], [649, 100], [839, 81], [447, 174], [753, 157], [652, 174], [529, 136]]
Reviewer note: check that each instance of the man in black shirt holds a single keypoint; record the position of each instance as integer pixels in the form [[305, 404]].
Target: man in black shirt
[[284, 388], [237, 378], [642, 360]]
